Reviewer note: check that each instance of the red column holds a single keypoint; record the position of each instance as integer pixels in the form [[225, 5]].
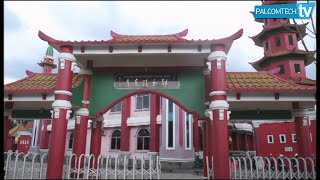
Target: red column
[[82, 114], [95, 146], [125, 130], [6, 125], [256, 138], [45, 134], [236, 141], [219, 107], [154, 127], [302, 130], [207, 124], [195, 134], [61, 113], [245, 142]]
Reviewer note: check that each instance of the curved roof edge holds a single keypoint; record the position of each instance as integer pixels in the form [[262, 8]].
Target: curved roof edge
[[179, 34]]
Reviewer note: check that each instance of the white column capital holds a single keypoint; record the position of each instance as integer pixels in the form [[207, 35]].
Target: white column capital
[[85, 102], [85, 71], [67, 56], [61, 104], [218, 93], [82, 112], [219, 104], [63, 92], [217, 55]]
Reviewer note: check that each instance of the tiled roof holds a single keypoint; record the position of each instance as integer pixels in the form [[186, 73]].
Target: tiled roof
[[304, 81], [39, 83], [309, 57], [261, 81]]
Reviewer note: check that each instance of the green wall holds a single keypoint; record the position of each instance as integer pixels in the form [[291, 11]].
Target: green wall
[[191, 92]]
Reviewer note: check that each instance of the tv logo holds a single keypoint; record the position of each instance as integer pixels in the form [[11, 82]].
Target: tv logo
[[303, 12], [299, 11]]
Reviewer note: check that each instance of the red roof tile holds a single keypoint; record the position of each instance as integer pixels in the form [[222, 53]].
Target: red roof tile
[[262, 81], [39, 83]]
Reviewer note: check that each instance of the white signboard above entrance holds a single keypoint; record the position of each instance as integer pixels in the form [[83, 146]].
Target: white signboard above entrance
[[146, 80]]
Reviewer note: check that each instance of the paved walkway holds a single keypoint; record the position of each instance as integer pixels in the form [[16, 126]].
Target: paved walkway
[[182, 174]]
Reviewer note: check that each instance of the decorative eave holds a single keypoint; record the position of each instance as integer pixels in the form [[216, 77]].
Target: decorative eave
[[37, 82], [30, 73], [308, 58], [277, 29], [137, 40], [262, 82], [47, 64]]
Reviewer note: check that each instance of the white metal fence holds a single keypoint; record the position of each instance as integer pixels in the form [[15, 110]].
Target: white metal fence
[[269, 167], [34, 166]]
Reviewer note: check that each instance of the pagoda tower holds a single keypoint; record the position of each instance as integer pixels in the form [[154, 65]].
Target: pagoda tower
[[282, 56], [47, 62]]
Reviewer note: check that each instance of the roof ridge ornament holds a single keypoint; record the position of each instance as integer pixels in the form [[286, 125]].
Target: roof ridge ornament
[[179, 34]]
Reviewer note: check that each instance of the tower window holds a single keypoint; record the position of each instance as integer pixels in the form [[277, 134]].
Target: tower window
[[278, 42], [282, 138], [297, 68], [290, 39], [281, 69], [270, 138], [267, 46]]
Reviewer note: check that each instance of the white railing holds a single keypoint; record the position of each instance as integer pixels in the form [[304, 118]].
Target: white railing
[[268, 167], [33, 166]]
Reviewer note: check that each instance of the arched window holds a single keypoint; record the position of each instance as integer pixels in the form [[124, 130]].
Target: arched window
[[116, 139], [143, 140], [71, 140]]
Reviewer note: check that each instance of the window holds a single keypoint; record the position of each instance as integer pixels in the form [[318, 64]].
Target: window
[[270, 138], [116, 139], [290, 39], [187, 131], [282, 71], [297, 68], [142, 101], [143, 141], [117, 107], [170, 119], [294, 138], [71, 140], [267, 46], [278, 42], [282, 138]]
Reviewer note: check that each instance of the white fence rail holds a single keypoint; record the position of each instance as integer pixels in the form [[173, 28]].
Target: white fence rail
[[32, 166], [269, 168]]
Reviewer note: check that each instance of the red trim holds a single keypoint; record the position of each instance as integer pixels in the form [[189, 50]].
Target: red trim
[[44, 96], [110, 49], [82, 49], [238, 96], [151, 91], [156, 69]]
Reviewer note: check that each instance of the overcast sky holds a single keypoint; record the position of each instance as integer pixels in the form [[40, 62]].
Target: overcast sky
[[84, 20]]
